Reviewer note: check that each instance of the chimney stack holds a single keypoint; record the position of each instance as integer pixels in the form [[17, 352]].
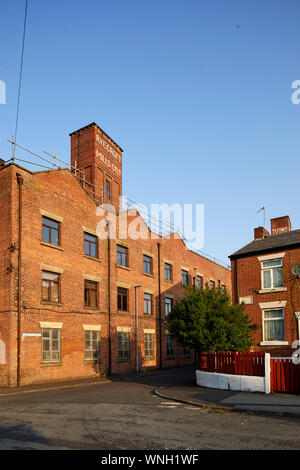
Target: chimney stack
[[260, 232], [280, 225]]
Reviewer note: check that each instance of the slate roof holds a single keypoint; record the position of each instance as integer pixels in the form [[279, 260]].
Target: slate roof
[[286, 240]]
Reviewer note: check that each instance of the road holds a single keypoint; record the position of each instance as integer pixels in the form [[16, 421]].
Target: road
[[125, 414]]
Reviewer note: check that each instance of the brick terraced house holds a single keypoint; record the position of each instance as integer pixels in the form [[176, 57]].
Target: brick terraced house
[[265, 276], [73, 304]]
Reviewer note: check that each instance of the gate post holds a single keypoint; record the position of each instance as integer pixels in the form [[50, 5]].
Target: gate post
[[267, 373]]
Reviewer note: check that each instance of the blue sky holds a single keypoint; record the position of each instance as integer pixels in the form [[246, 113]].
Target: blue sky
[[196, 92]]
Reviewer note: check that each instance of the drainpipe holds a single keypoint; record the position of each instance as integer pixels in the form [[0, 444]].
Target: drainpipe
[[109, 295], [136, 329], [20, 181], [159, 306]]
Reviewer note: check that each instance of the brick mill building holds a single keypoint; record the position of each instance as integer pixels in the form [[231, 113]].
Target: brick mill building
[[71, 303], [265, 276]]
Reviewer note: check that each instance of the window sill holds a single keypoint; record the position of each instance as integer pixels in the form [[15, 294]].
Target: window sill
[[152, 358], [147, 274], [122, 312], [51, 364], [123, 267], [91, 361], [170, 282], [148, 314], [94, 309], [52, 246], [57, 304], [277, 289], [92, 258], [123, 360], [274, 343]]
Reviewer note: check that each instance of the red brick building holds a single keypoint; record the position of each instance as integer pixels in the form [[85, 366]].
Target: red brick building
[[265, 276], [71, 303]]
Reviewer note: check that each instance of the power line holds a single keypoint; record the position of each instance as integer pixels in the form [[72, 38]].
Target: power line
[[21, 71]]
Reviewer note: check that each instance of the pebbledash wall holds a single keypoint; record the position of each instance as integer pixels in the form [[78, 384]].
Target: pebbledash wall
[[281, 247], [27, 197]]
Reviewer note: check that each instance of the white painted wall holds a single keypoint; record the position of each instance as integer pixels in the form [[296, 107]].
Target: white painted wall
[[244, 383]]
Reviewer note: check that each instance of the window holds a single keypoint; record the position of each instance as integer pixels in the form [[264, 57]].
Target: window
[[123, 299], [122, 255], [91, 345], [149, 346], [186, 352], [199, 282], [107, 189], [168, 272], [184, 278], [90, 245], [147, 303], [50, 231], [170, 346], [123, 346], [50, 345], [147, 261], [212, 284], [272, 273], [168, 306], [50, 286], [274, 325], [223, 288], [90, 294]]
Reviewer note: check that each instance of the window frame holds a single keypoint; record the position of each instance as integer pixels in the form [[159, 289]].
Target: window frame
[[122, 349], [107, 181], [170, 342], [88, 289], [125, 248], [168, 270], [212, 284], [273, 319], [90, 242], [168, 303], [51, 351], [263, 269], [149, 302], [186, 276], [51, 281], [92, 341], [148, 262], [149, 339], [199, 277], [50, 229], [122, 296]]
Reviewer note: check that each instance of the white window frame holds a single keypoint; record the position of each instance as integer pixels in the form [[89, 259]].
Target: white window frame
[[273, 342]]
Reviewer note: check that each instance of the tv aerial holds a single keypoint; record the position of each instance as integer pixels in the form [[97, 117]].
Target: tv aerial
[[296, 270]]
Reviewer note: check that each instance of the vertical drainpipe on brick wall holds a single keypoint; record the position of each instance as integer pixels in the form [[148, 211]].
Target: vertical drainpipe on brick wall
[[109, 296], [159, 306], [20, 184]]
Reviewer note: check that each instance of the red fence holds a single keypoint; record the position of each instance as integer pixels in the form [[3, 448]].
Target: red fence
[[237, 363], [285, 375]]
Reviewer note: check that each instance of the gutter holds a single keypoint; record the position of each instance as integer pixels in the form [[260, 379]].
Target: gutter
[[20, 181]]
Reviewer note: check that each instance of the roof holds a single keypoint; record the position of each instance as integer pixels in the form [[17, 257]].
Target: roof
[[94, 124], [272, 243]]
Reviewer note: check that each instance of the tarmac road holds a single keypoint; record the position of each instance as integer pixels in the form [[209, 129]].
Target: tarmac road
[[125, 414]]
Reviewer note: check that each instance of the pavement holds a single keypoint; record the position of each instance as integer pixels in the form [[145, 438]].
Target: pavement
[[182, 388]]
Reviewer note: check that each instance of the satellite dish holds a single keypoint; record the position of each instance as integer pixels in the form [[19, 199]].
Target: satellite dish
[[296, 270]]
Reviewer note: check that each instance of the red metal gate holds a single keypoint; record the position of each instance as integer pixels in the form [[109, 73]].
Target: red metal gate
[[285, 375]]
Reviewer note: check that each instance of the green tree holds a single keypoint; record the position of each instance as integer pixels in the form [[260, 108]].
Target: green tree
[[207, 321]]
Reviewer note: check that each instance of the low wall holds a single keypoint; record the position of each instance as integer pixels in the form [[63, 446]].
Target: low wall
[[244, 383]]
